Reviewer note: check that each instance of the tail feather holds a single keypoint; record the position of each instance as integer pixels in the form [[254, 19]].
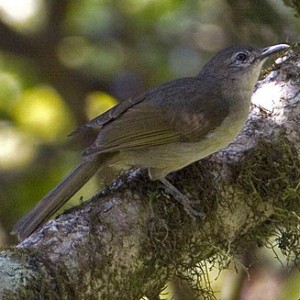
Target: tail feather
[[57, 197]]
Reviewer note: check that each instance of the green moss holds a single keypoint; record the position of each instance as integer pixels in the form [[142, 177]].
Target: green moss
[[271, 175]]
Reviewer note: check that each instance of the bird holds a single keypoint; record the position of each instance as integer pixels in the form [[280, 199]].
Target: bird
[[165, 128]]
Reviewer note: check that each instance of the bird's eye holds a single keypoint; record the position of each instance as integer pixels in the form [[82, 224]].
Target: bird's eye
[[241, 56]]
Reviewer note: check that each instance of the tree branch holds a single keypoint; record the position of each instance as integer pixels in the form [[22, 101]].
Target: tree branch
[[127, 241]]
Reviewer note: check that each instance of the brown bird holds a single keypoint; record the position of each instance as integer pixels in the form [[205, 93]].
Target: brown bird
[[165, 128]]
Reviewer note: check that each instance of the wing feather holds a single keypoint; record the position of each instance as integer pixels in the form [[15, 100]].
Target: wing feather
[[169, 114]]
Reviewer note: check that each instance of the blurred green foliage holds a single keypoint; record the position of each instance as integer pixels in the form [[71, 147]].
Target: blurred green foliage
[[63, 62]]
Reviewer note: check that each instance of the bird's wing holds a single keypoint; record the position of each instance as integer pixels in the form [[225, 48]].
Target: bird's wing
[[110, 115], [168, 115]]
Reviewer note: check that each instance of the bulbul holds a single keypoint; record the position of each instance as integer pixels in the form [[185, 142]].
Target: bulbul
[[166, 128]]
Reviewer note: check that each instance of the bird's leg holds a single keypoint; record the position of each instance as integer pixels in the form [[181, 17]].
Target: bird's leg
[[182, 199]]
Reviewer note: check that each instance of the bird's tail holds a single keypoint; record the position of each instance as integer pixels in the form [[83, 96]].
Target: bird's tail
[[57, 197]]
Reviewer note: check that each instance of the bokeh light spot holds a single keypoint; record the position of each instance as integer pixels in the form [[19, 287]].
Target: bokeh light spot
[[42, 112], [98, 103], [17, 148]]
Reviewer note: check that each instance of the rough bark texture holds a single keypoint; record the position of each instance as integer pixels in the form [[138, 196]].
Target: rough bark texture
[[126, 242]]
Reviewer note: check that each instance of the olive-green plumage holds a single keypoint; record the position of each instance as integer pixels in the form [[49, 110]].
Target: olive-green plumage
[[166, 128]]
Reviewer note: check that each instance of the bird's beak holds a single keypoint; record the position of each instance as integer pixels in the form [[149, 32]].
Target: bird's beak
[[265, 52]]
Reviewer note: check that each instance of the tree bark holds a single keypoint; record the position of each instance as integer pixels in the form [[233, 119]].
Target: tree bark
[[131, 238]]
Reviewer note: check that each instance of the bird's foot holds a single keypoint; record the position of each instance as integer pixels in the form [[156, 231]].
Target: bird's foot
[[183, 200]]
